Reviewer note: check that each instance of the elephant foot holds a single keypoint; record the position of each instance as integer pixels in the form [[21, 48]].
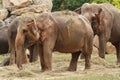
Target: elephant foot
[[71, 69], [24, 61], [87, 67], [118, 63], [46, 70], [20, 67], [5, 62], [102, 56]]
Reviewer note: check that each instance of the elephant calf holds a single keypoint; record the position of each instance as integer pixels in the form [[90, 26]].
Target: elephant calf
[[63, 31]]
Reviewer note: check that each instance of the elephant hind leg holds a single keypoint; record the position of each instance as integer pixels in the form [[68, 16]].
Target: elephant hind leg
[[34, 53], [87, 51], [73, 62]]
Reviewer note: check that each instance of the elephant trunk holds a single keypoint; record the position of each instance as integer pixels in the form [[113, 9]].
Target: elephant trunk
[[20, 51]]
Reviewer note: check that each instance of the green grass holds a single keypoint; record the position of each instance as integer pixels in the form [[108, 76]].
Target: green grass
[[2, 57], [61, 56], [92, 77], [111, 58]]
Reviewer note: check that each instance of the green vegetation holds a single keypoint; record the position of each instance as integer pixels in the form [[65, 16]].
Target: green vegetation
[[2, 57], [73, 4], [93, 77]]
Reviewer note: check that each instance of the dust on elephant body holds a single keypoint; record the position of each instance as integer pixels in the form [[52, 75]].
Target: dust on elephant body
[[63, 31]]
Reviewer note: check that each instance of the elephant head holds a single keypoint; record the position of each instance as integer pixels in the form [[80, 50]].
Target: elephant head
[[93, 13], [27, 34], [101, 19]]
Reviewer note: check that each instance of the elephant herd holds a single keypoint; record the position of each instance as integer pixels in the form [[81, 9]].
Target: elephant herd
[[65, 32]]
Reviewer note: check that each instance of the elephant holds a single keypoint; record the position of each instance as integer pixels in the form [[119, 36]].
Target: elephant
[[104, 19], [12, 32], [3, 40], [62, 31]]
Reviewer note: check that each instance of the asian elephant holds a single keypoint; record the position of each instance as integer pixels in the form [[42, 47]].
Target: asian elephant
[[12, 32], [63, 31], [105, 21]]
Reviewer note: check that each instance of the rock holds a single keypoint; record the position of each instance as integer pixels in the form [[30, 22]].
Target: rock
[[110, 48], [2, 23], [9, 19], [6, 3], [30, 14], [46, 2], [32, 8], [21, 2], [12, 5], [3, 14]]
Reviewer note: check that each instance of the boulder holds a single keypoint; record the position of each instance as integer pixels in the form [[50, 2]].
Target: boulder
[[6, 3], [46, 2], [3, 14], [9, 19], [12, 5], [2, 23], [21, 2], [31, 8]]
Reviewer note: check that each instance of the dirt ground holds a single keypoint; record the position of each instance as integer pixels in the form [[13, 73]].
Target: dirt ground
[[32, 71]]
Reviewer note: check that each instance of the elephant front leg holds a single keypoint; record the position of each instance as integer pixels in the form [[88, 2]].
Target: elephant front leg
[[24, 58], [48, 46], [41, 58], [12, 52], [47, 52], [73, 62], [102, 46], [12, 56]]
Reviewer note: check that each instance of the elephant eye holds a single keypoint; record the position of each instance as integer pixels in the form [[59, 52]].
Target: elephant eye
[[25, 31], [93, 19]]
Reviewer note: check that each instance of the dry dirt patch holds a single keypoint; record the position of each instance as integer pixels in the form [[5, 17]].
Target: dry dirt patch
[[32, 71]]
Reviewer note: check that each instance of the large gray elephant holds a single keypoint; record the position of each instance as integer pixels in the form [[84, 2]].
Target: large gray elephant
[[63, 31], [105, 21]]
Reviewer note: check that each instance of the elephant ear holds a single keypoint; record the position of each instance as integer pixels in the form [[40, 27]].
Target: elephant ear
[[98, 15], [95, 22], [29, 25], [45, 21], [78, 10]]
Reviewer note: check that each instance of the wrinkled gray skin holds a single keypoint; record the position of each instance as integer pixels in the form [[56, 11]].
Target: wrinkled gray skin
[[63, 31], [105, 20]]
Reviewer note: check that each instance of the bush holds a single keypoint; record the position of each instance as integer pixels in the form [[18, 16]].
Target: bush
[[73, 4]]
